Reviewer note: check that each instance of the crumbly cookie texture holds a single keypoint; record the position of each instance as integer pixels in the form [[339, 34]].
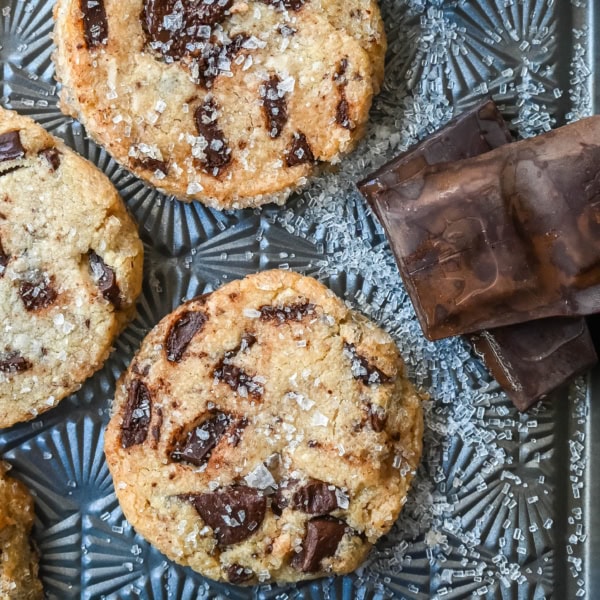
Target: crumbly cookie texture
[[18, 560], [265, 432], [70, 269], [231, 102]]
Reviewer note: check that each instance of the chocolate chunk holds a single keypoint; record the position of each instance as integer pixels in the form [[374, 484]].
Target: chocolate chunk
[[38, 292], [377, 418], [234, 513], [13, 362], [274, 105], [11, 170], [322, 538], [10, 146], [525, 380], [209, 64], [181, 333], [282, 497], [176, 28], [105, 279], [238, 380], [151, 164], [200, 441], [288, 312], [362, 369], [4, 258], [158, 425], [342, 117], [315, 498], [294, 5], [95, 25], [137, 415], [238, 574], [506, 237], [299, 151], [217, 155], [52, 156], [532, 359]]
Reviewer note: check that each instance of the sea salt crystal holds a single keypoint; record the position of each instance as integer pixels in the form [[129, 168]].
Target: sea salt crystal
[[318, 419], [260, 478]]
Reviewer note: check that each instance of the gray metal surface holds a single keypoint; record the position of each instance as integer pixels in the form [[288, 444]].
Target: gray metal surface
[[503, 505]]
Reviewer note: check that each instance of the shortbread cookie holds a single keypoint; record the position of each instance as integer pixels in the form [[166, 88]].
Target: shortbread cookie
[[70, 269], [265, 432], [18, 559], [230, 102]]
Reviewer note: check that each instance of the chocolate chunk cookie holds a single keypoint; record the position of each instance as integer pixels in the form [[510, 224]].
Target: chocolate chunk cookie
[[232, 103], [70, 269], [18, 559], [265, 432]]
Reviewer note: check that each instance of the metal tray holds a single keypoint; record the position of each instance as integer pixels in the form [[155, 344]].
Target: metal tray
[[503, 503]]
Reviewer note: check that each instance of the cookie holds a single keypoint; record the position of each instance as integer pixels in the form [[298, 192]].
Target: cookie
[[232, 103], [18, 559], [265, 432], [70, 269]]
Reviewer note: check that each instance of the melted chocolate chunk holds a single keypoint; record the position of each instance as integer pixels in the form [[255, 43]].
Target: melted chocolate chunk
[[377, 418], [341, 114], [217, 155], [322, 538], [176, 29], [299, 151], [238, 574], [275, 106], [10, 146], [151, 164], [137, 415], [181, 333], [105, 278], [294, 5], [238, 380], [11, 170], [37, 293], [234, 513], [315, 498], [13, 362], [205, 67], [362, 369], [4, 258], [200, 441], [281, 499], [289, 312], [95, 25], [157, 427], [52, 156]]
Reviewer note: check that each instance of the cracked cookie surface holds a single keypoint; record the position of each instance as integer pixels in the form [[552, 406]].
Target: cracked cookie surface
[[18, 559], [265, 432], [70, 269], [228, 102]]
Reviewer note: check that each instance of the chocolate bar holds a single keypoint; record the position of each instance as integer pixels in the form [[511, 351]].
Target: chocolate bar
[[531, 359], [506, 237]]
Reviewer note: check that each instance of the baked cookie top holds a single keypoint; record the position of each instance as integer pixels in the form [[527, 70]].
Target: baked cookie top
[[230, 102], [18, 560], [265, 432], [70, 269]]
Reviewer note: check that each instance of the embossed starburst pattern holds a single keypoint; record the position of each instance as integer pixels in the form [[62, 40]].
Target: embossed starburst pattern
[[498, 493]]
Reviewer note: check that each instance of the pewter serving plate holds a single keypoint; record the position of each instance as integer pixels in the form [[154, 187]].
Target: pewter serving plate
[[503, 504]]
